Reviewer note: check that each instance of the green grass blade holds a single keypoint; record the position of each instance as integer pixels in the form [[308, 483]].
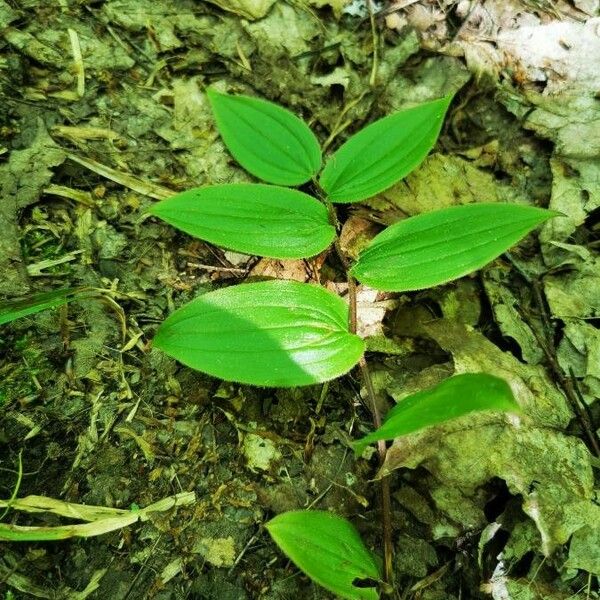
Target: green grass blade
[[17, 308]]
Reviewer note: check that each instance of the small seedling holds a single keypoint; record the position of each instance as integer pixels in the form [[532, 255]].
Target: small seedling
[[285, 333]]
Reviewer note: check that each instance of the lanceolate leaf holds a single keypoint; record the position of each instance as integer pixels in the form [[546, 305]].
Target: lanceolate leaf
[[14, 309], [329, 550], [383, 153], [264, 220], [273, 333], [440, 246], [268, 141], [453, 398]]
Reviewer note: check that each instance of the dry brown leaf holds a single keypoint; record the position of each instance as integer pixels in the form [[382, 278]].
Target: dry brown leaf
[[296, 270], [356, 233]]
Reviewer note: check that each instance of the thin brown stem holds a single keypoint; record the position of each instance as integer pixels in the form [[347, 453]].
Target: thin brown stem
[[386, 502], [545, 339], [568, 383], [352, 312]]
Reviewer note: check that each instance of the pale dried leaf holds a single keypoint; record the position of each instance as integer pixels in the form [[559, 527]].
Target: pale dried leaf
[[441, 181], [575, 293], [559, 50]]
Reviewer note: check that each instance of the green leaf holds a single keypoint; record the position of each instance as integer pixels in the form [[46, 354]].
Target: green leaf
[[273, 333], [437, 247], [383, 153], [267, 140], [453, 398], [329, 550], [254, 218], [15, 309]]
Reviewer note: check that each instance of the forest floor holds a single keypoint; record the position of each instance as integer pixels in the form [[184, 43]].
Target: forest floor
[[104, 111]]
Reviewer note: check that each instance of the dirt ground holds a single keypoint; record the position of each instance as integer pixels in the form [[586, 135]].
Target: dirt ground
[[103, 112]]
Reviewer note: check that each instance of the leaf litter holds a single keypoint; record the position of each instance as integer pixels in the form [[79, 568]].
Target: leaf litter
[[105, 420]]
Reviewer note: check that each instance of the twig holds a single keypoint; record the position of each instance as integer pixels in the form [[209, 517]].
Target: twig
[[215, 269], [241, 554], [565, 382]]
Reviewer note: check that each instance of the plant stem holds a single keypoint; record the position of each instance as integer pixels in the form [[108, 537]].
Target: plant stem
[[386, 503], [353, 313]]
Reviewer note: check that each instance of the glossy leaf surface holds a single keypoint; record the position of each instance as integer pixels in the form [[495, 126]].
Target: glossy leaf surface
[[383, 153], [15, 309], [259, 219], [437, 247], [453, 398], [328, 549], [267, 140], [272, 333]]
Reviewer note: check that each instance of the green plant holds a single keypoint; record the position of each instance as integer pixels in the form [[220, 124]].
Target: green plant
[[285, 333]]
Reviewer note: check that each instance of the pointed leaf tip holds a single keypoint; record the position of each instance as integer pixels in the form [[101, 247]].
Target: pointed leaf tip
[[267, 140]]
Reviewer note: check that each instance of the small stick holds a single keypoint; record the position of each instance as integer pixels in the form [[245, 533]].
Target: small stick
[[215, 269]]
